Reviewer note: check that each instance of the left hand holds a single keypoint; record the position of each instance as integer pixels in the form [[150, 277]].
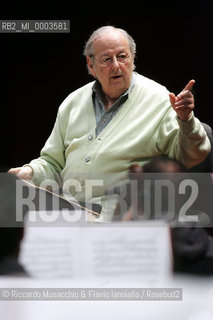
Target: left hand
[[183, 103]]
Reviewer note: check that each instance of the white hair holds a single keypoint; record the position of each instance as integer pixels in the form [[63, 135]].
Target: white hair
[[88, 49]]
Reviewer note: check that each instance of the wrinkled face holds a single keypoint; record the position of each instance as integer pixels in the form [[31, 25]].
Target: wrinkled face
[[115, 78]]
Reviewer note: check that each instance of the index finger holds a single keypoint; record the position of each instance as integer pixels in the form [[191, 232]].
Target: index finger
[[189, 85]]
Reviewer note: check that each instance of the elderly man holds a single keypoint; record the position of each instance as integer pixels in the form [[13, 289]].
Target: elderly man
[[120, 119]]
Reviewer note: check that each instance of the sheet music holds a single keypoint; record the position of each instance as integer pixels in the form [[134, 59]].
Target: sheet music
[[126, 251], [113, 250], [48, 252]]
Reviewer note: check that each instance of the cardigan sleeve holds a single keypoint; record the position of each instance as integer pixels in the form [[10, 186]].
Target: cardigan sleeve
[[185, 141]]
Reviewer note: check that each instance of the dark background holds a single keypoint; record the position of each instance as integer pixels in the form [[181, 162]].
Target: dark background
[[38, 71]]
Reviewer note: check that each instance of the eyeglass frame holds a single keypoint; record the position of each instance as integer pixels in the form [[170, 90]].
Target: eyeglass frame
[[111, 59]]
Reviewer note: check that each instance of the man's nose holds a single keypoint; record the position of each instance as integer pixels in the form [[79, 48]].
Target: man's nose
[[115, 62]]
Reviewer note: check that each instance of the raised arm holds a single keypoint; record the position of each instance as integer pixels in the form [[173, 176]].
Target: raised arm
[[183, 103]]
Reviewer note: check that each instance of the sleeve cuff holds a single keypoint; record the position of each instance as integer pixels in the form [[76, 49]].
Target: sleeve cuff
[[188, 125]]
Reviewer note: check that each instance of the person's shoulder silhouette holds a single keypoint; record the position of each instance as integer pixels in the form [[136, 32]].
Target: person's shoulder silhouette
[[11, 230]]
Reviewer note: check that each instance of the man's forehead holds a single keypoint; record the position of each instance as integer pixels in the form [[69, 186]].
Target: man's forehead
[[110, 40]]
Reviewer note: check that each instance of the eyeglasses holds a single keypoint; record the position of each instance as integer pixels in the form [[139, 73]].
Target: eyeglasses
[[107, 61]]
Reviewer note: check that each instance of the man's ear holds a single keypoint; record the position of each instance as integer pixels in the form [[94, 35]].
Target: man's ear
[[135, 169], [90, 66]]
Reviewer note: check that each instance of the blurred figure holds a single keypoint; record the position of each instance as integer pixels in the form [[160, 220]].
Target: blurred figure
[[191, 243], [11, 231], [141, 195]]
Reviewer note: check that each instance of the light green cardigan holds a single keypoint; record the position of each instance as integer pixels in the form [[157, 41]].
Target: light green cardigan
[[144, 127]]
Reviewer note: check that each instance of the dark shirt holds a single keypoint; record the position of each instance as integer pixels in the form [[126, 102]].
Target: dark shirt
[[9, 266], [102, 116]]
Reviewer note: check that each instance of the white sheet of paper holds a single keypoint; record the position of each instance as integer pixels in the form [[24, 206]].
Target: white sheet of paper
[[192, 307], [139, 250]]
